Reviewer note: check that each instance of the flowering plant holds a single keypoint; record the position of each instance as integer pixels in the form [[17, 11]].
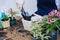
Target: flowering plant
[[52, 21]]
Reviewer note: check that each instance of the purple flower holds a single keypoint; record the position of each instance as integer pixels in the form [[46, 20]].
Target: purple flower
[[52, 20], [55, 11], [58, 14], [51, 13]]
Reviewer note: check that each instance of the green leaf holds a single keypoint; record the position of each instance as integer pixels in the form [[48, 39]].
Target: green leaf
[[47, 31], [46, 37]]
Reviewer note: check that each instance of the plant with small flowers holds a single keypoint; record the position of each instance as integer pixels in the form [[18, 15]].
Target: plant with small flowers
[[52, 21]]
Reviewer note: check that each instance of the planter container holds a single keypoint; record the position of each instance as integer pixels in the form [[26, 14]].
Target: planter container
[[12, 21], [53, 35], [26, 24], [6, 24]]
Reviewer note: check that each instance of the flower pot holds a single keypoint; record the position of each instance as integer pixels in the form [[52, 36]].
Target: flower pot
[[26, 24], [6, 24], [12, 21], [53, 35]]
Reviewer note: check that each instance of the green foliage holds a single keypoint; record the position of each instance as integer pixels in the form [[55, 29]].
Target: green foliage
[[37, 32], [50, 27], [5, 18], [50, 24], [12, 12], [47, 25]]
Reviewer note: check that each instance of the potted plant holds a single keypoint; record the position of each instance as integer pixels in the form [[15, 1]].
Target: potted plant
[[52, 23], [37, 32], [12, 18], [5, 22]]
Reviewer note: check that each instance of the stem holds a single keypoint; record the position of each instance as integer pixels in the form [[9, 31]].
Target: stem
[[57, 27]]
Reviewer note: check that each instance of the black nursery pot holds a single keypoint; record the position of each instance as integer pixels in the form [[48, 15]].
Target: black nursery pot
[[59, 32], [53, 35], [12, 22]]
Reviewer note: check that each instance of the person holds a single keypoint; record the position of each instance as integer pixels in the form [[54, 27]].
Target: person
[[44, 7], [28, 6]]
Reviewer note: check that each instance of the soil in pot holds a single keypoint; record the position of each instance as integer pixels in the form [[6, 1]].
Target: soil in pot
[[28, 18]]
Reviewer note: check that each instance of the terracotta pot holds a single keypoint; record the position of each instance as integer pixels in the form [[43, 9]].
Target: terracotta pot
[[6, 24]]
